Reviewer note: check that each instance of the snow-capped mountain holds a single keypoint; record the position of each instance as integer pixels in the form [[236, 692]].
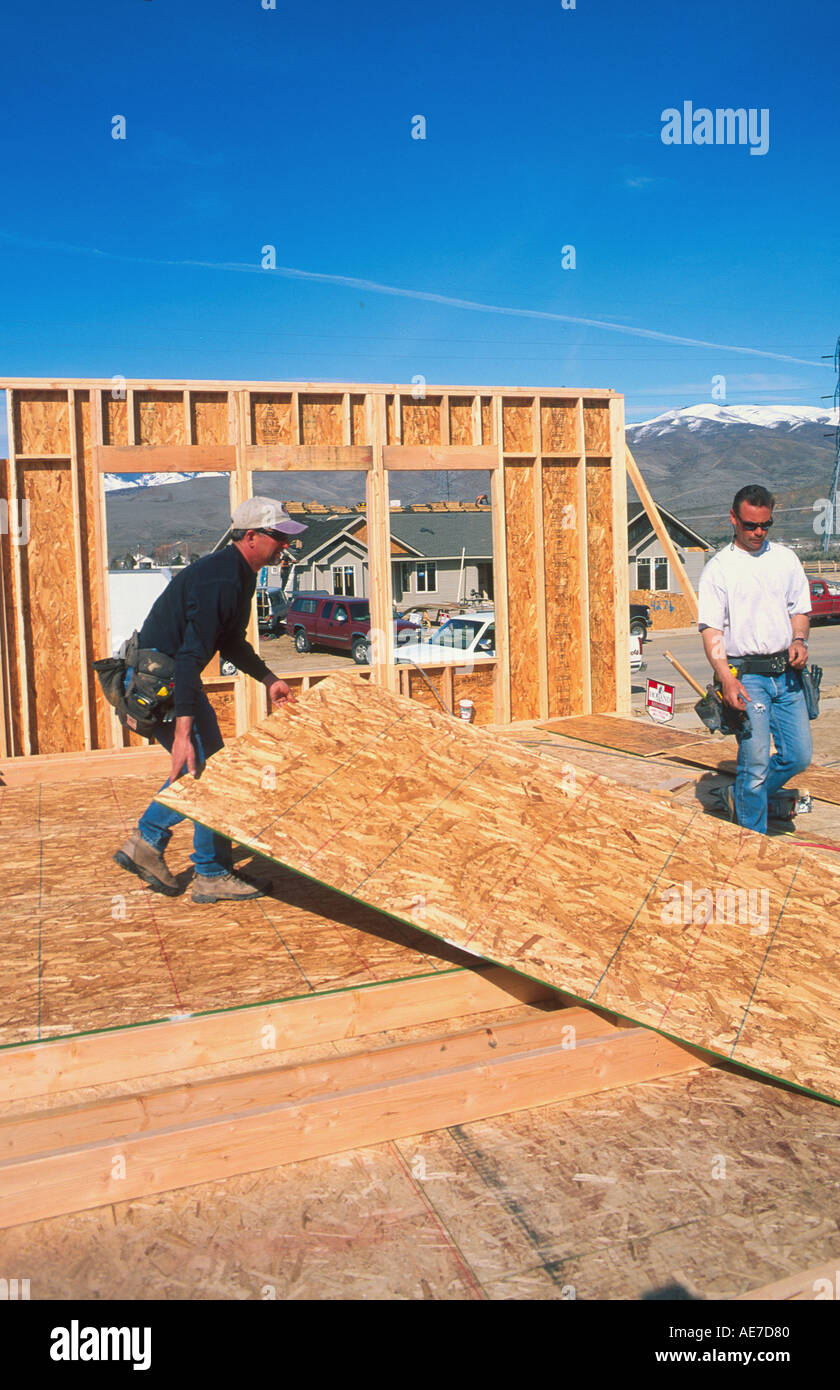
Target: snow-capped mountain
[[701, 417], [118, 482], [694, 460]]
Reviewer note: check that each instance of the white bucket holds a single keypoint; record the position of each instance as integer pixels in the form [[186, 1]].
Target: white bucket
[[467, 709]]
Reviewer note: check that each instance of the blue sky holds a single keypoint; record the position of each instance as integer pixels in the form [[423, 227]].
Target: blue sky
[[248, 127]]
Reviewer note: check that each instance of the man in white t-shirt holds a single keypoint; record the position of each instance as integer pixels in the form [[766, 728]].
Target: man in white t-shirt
[[754, 607]]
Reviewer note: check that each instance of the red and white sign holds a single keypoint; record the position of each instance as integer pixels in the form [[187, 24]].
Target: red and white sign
[[659, 701]]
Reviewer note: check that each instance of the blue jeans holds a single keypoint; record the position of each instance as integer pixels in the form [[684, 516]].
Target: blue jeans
[[211, 852], [777, 706]]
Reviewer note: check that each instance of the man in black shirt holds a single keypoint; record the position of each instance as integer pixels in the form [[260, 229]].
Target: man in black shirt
[[205, 609]]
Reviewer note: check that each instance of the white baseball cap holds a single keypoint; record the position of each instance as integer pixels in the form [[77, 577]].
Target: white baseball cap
[[265, 514]]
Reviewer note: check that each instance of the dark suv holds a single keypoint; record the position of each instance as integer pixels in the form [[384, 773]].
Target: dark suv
[[315, 620], [640, 620]]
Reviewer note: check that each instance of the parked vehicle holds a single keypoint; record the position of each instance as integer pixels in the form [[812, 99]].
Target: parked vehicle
[[825, 601], [640, 620], [459, 640], [343, 624], [272, 606], [637, 661]]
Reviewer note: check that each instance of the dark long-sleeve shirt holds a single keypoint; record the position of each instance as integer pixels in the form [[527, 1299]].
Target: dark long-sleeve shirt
[[205, 609]]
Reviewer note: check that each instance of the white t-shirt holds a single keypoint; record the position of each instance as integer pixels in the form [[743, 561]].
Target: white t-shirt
[[750, 597]]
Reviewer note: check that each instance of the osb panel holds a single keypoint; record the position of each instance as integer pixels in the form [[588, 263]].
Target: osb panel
[[271, 419], [48, 569], [460, 420], [564, 627], [477, 685], [487, 420], [518, 427], [559, 879], [421, 421], [358, 420], [94, 635], [320, 420], [522, 590], [559, 427], [599, 526], [114, 422], [13, 694], [41, 423], [72, 963], [209, 413], [224, 703], [638, 736], [666, 610], [596, 428], [823, 783], [160, 417], [419, 691]]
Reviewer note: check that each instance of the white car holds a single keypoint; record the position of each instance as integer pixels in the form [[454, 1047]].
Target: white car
[[637, 661], [459, 641]]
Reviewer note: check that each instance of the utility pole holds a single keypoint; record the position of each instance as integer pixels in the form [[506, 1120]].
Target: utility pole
[[835, 477]]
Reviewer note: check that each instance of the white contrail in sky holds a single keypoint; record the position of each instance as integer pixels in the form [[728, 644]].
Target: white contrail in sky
[[374, 287]]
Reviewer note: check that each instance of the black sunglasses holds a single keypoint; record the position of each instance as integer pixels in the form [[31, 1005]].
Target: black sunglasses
[[275, 535], [755, 525]]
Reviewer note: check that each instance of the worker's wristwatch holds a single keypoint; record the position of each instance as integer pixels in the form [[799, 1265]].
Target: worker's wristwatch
[[802, 640]]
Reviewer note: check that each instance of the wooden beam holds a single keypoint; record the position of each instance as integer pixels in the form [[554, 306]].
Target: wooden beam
[[57, 1162], [131, 416], [165, 458], [438, 456], [379, 551], [500, 575], [622, 586], [819, 1283], [47, 768], [18, 604], [302, 457], [539, 563], [75, 484], [659, 527], [115, 733], [583, 556], [246, 1034]]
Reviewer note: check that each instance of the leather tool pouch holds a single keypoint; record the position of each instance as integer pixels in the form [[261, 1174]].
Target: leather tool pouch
[[140, 684], [811, 680]]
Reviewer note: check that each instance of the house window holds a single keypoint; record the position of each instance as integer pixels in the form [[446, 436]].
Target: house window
[[426, 573], [660, 573], [344, 580]]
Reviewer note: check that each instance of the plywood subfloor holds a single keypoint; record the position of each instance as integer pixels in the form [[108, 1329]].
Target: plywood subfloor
[[645, 739], [699, 1186], [86, 945], [649, 740], [570, 880]]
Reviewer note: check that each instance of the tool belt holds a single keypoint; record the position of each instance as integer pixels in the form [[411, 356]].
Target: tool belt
[[140, 684], [774, 664]]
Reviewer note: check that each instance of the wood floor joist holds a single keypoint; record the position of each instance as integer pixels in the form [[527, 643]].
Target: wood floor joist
[[240, 1035], [690, 925], [58, 1161]]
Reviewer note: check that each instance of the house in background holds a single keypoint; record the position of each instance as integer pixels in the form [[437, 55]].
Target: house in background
[[651, 580], [440, 552]]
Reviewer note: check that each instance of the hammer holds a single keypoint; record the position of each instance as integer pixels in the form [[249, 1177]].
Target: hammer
[[718, 717]]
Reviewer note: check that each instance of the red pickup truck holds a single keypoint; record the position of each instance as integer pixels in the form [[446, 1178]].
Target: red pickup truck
[[825, 601]]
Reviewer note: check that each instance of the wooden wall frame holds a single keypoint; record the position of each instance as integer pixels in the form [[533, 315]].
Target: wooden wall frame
[[556, 460]]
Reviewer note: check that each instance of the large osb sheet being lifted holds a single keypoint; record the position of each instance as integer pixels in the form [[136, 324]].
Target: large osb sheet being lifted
[[706, 932]]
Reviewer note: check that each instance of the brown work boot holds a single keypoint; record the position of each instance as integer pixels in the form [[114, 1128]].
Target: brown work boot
[[224, 888], [142, 859]]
